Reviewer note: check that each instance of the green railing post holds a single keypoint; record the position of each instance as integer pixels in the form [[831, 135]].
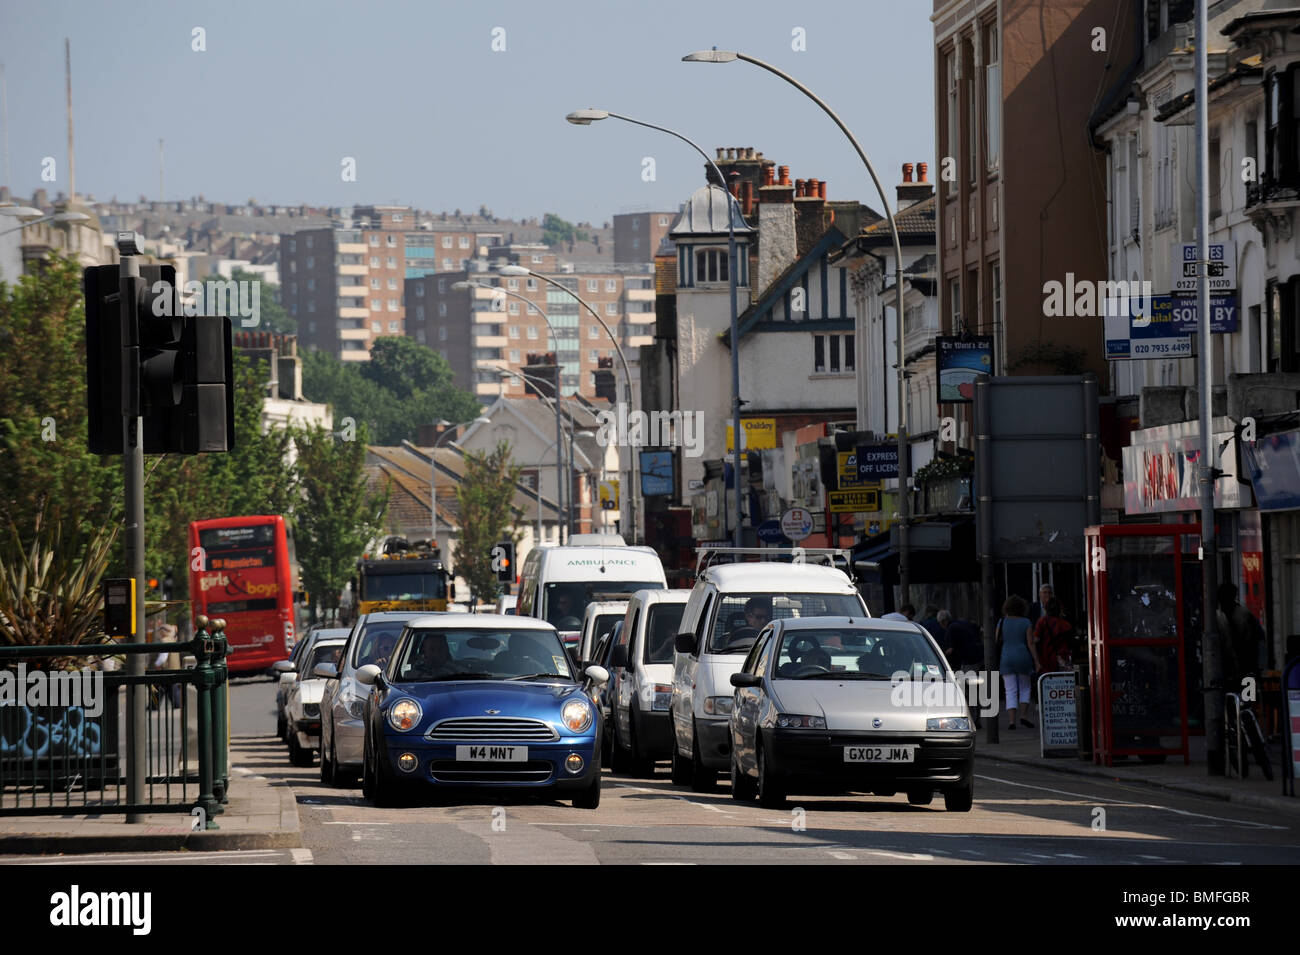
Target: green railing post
[[220, 716], [204, 678]]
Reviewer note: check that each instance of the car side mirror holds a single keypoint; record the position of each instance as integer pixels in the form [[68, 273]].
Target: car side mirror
[[746, 679], [288, 678], [618, 657], [369, 674], [597, 674], [327, 671], [283, 666], [685, 643]]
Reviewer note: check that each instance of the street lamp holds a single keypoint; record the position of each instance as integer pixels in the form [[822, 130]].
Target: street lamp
[[585, 117], [21, 211], [495, 289], [904, 507], [433, 466], [634, 490]]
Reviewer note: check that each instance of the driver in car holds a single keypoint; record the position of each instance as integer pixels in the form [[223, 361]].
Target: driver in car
[[434, 660], [383, 650], [561, 610]]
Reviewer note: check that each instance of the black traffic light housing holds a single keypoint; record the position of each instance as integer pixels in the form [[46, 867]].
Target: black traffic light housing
[[506, 567], [180, 370]]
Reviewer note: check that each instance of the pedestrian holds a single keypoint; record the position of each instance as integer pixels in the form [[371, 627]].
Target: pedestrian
[[1017, 659], [904, 613], [961, 642], [1241, 637], [930, 620], [1054, 638], [1038, 609]]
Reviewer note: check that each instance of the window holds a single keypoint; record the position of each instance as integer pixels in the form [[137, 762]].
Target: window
[[537, 260], [397, 217], [311, 326], [419, 290], [311, 306], [293, 246], [663, 222], [392, 326], [850, 359], [950, 145], [464, 242], [954, 303], [420, 336], [442, 308], [374, 283], [293, 288], [392, 241], [377, 326], [293, 266], [591, 356], [819, 354], [531, 285], [392, 284], [442, 333], [532, 309], [636, 243], [611, 285], [711, 265], [514, 308], [970, 93], [391, 262], [442, 286], [995, 283], [311, 261], [419, 311], [512, 284], [992, 96], [374, 240], [514, 332], [532, 332], [446, 242], [1216, 182], [593, 285], [307, 240], [376, 304], [374, 261], [832, 354], [448, 265], [311, 285], [636, 224], [593, 332], [1164, 169], [392, 304], [1134, 184], [611, 308]]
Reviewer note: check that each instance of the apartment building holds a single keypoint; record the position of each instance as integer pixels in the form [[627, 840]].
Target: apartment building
[[637, 235]]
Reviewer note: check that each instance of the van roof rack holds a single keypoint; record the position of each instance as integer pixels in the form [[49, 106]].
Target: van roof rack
[[707, 556]]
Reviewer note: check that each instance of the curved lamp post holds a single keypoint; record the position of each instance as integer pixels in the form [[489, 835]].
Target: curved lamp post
[[585, 117], [22, 211], [904, 504]]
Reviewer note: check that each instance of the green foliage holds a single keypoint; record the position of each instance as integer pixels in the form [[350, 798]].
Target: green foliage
[[338, 515], [556, 231], [944, 467], [483, 500], [405, 384], [271, 314]]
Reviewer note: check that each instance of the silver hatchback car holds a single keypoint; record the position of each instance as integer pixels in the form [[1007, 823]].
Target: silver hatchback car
[[849, 704]]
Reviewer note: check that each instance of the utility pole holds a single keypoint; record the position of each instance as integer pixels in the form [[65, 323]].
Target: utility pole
[[72, 163], [1211, 660]]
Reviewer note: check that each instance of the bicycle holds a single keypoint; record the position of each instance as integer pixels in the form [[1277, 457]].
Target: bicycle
[[1238, 721]]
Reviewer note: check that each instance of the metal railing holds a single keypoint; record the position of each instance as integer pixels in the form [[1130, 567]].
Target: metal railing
[[706, 557], [65, 751]]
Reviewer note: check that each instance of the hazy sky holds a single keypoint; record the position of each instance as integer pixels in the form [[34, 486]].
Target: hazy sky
[[436, 118]]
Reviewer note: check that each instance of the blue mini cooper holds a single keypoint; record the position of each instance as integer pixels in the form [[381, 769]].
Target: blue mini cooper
[[481, 700]]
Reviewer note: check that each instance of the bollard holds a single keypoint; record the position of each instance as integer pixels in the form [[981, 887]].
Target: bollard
[[203, 680], [220, 715]]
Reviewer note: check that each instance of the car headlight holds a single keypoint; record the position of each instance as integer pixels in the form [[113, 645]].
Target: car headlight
[[404, 715], [576, 715], [794, 721], [311, 709], [717, 705], [656, 696], [958, 723], [356, 708]]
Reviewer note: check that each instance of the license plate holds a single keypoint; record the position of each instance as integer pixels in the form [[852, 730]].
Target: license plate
[[879, 754], [492, 754]]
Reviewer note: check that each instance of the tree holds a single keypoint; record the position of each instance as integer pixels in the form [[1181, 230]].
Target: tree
[[337, 515], [402, 366], [271, 314], [483, 501], [556, 231]]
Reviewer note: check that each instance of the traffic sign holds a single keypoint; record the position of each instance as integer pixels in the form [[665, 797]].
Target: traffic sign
[[855, 501], [797, 523]]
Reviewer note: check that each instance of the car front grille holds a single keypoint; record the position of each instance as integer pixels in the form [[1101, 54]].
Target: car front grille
[[505, 729], [451, 771]]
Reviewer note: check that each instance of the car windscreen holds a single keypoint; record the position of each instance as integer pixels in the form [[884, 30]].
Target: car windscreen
[[567, 602], [661, 632], [376, 641], [857, 653], [322, 654], [734, 632], [448, 653], [405, 587], [604, 623]]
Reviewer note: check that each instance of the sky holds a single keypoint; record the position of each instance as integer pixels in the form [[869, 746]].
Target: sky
[[435, 117]]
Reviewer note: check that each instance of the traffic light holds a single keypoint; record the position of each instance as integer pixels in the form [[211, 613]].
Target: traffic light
[[180, 368], [503, 561]]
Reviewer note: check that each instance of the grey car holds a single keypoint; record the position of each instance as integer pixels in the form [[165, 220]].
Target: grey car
[[343, 704], [846, 704], [286, 670]]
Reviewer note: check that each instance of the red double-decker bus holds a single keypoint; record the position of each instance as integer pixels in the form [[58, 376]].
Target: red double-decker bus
[[246, 579]]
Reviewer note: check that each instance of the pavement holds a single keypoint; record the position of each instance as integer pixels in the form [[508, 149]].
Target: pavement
[[1022, 746], [263, 813]]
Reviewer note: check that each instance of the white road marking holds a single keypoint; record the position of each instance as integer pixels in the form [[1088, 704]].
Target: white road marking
[[910, 856], [118, 858], [839, 855], [355, 822], [1069, 855], [1153, 858], [1138, 805], [301, 856]]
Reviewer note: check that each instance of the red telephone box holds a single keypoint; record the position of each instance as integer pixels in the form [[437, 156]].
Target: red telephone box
[[1144, 590]]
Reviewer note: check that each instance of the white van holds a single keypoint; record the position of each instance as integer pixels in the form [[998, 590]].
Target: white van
[[598, 620], [642, 732], [558, 583], [729, 604]]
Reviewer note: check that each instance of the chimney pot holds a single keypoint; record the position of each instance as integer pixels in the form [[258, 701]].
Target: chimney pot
[[920, 172], [785, 175], [769, 176], [799, 186], [812, 190], [721, 150], [821, 189], [907, 172]]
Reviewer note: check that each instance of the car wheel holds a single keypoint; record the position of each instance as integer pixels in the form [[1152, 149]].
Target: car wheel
[[960, 800], [921, 797], [384, 790], [770, 793], [618, 761], [367, 774], [297, 755], [327, 768], [703, 779], [589, 798], [638, 764], [681, 766], [282, 728], [342, 779], [742, 787]]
